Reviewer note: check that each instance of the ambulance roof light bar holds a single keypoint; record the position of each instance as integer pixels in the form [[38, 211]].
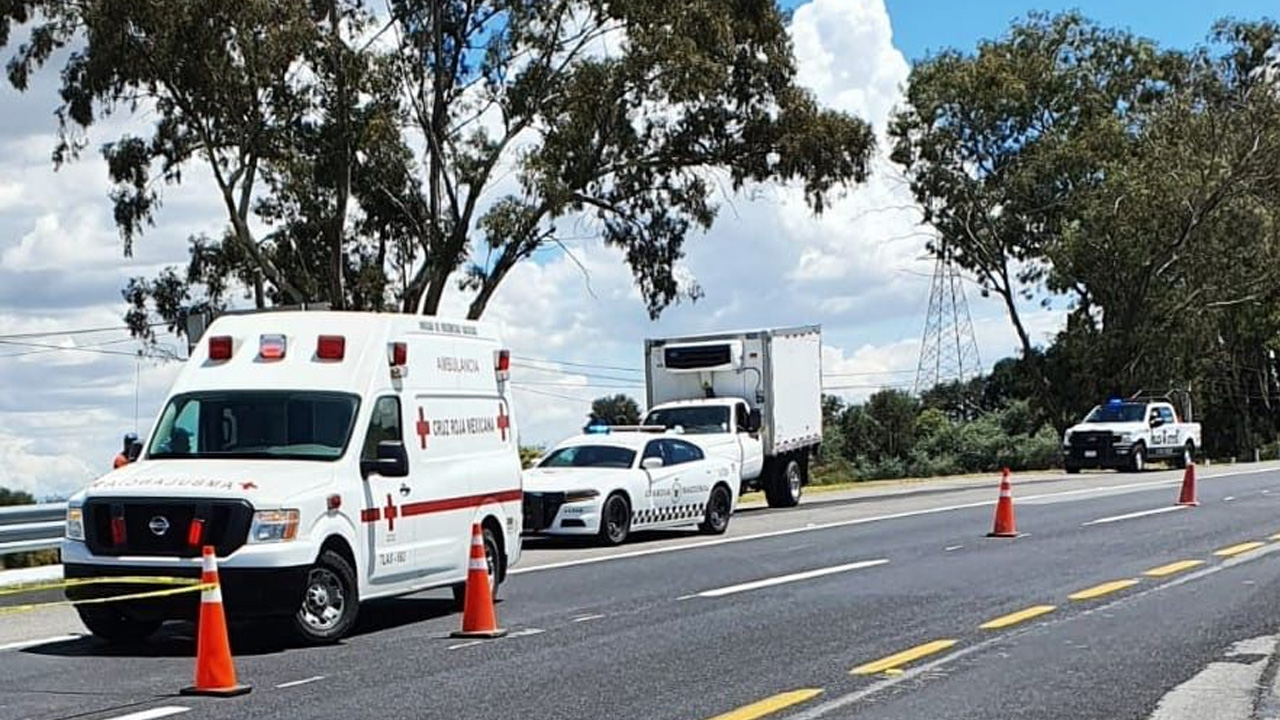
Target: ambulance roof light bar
[[398, 358], [220, 347], [502, 364], [331, 347], [272, 347]]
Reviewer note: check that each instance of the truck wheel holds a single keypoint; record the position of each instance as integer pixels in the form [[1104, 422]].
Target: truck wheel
[[1138, 458], [615, 520], [784, 485], [108, 623], [491, 557], [719, 507], [329, 601], [1187, 457]]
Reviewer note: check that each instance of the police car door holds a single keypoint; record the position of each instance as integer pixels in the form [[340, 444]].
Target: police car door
[[388, 538], [691, 484], [658, 494]]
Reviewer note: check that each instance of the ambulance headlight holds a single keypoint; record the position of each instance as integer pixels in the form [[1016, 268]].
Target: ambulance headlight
[[75, 523], [274, 526], [581, 495]]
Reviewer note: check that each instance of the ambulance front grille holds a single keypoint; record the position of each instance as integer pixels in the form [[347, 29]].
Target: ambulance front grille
[[162, 527]]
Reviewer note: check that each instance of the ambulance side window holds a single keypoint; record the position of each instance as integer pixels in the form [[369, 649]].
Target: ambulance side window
[[384, 424]]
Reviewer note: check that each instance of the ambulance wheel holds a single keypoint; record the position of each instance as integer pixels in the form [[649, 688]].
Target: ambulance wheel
[[329, 601], [782, 489], [491, 559], [108, 623], [615, 520], [719, 507]]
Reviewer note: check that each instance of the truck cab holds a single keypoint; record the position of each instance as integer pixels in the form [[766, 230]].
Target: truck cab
[[1127, 434], [724, 427]]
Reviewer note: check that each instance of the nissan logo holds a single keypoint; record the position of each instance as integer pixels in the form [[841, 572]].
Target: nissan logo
[[159, 525]]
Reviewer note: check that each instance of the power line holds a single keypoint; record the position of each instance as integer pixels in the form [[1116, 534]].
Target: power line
[[549, 383], [60, 347], [78, 331], [80, 348], [868, 373], [550, 394], [579, 365], [576, 373]]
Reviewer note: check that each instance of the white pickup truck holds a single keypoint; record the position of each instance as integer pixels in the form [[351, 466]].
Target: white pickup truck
[[753, 397], [1127, 434]]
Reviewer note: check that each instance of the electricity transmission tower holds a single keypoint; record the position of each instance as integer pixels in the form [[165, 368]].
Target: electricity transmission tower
[[948, 350]]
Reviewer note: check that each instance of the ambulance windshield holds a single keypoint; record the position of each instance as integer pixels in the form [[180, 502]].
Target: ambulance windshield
[[255, 424]]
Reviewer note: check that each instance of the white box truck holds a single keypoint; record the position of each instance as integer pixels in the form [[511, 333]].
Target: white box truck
[[754, 397]]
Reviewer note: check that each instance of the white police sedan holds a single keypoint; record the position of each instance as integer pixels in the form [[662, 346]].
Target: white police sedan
[[610, 483]]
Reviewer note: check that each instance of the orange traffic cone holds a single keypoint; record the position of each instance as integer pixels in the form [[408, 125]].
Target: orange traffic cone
[[215, 674], [1188, 494], [1005, 526], [478, 618]]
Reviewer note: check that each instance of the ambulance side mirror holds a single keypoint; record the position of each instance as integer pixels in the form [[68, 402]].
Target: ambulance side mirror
[[392, 461]]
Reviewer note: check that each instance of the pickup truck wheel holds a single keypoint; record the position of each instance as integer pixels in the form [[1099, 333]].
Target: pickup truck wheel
[[786, 483], [719, 507], [1138, 458], [1187, 457], [329, 601], [615, 520], [108, 623]]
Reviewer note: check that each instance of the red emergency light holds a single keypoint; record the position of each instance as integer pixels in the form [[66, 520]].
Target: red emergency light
[[271, 347], [331, 347], [398, 354], [118, 533], [195, 533], [502, 364], [220, 347]]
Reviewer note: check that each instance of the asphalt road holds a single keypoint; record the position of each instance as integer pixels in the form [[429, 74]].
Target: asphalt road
[[863, 606]]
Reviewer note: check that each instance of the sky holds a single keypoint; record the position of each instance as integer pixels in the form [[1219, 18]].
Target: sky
[[575, 325]]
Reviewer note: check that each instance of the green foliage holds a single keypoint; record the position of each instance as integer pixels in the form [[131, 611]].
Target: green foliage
[[616, 410], [15, 497], [361, 157], [529, 454]]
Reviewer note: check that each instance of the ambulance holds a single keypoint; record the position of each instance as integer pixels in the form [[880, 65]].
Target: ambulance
[[330, 458]]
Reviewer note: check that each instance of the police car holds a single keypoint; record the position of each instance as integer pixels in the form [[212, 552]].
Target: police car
[[330, 458], [607, 484]]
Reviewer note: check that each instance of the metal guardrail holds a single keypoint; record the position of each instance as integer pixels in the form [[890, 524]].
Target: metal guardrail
[[24, 528]]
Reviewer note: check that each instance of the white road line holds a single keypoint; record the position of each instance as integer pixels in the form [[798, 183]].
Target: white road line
[[1229, 498], [153, 713], [526, 632], [587, 618], [859, 521], [794, 577], [953, 547], [471, 643], [1224, 689], [296, 683], [22, 644], [1132, 515]]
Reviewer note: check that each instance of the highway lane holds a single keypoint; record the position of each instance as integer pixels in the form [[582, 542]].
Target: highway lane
[[623, 636]]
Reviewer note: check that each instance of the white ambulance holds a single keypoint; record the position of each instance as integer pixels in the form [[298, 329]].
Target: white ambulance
[[331, 458]]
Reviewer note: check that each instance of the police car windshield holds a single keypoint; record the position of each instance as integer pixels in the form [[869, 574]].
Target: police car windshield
[[255, 424], [593, 456], [1117, 413], [692, 420]]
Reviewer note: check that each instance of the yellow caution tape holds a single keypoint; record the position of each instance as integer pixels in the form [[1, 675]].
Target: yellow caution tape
[[197, 587], [77, 582]]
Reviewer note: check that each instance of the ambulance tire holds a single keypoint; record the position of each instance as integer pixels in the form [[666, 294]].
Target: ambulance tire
[[492, 555], [719, 507], [109, 624], [330, 586], [615, 520]]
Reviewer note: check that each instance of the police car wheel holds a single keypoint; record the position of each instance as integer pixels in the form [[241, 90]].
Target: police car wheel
[[615, 520], [719, 506], [329, 602], [491, 559], [110, 624]]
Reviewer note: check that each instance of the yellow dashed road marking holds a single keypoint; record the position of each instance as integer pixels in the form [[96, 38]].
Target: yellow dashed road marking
[[1238, 549], [1103, 589], [1021, 616], [1173, 568], [770, 705], [902, 658]]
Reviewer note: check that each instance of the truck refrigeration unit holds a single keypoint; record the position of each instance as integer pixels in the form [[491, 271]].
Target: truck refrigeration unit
[[754, 397]]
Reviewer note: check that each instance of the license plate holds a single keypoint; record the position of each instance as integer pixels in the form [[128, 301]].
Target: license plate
[[1091, 453]]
